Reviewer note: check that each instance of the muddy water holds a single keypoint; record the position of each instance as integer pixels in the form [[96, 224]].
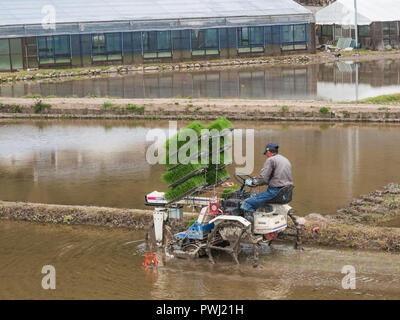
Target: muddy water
[[103, 163], [94, 263], [336, 81]]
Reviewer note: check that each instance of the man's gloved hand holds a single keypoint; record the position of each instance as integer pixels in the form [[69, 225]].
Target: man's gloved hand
[[249, 182]]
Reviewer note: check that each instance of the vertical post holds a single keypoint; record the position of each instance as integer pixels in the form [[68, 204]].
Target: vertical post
[[9, 54], [357, 65], [356, 22]]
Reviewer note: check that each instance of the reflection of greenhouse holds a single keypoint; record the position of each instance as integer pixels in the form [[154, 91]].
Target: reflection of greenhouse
[[273, 83], [90, 32]]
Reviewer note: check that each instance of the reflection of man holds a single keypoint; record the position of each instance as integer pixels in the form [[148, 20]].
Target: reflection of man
[[277, 173]]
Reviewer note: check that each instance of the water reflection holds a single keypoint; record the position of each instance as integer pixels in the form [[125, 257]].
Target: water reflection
[[332, 81], [103, 162]]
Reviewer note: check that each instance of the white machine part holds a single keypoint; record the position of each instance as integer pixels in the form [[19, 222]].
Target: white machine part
[[157, 199], [159, 216], [242, 220], [204, 216], [274, 221]]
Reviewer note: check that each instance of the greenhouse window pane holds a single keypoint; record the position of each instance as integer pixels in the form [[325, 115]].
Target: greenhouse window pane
[[272, 34], [113, 41], [364, 31], [243, 37], [163, 40], [165, 54], [211, 38], [257, 49], [149, 41], [150, 55], [100, 58], [4, 46], [46, 60], [327, 31], [46, 49], [252, 37], [256, 36], [244, 50], [300, 47], [62, 47], [15, 46], [204, 39], [98, 44], [299, 33], [5, 62], [114, 57], [155, 43], [16, 61], [198, 52], [212, 51], [287, 34]]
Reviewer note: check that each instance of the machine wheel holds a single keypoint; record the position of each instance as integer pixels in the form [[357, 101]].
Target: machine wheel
[[191, 250], [226, 236]]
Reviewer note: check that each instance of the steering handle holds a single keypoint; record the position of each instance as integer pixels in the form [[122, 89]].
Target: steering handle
[[242, 179]]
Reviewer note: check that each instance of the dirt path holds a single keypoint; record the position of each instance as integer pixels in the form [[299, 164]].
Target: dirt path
[[186, 108]]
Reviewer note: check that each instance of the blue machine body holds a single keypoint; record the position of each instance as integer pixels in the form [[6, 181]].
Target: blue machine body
[[195, 232]]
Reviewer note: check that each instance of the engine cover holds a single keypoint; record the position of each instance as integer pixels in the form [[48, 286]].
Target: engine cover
[[269, 223]]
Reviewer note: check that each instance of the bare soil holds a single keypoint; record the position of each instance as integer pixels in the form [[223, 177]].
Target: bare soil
[[186, 108]]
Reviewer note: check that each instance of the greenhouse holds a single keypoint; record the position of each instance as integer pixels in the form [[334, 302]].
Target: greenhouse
[[77, 33], [377, 20]]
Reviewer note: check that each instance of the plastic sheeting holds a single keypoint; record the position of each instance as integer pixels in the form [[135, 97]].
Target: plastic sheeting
[[342, 12], [19, 12]]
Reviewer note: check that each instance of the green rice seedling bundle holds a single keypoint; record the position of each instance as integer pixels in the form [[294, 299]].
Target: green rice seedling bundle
[[195, 126], [221, 159], [172, 153], [184, 178], [185, 188], [181, 172], [216, 177], [220, 124], [228, 191]]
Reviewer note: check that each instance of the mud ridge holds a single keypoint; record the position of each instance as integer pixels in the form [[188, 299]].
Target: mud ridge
[[196, 109], [351, 227]]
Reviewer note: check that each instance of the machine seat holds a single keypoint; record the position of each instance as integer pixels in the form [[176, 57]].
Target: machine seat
[[284, 196]]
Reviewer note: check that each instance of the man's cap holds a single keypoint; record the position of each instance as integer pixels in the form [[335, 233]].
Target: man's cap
[[273, 147]]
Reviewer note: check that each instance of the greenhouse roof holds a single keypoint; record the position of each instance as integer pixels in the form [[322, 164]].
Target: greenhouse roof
[[28, 12], [368, 11]]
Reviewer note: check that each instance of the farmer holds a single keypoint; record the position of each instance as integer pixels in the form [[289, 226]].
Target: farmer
[[276, 173]]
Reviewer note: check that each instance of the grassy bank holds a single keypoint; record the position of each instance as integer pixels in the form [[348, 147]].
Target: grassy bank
[[393, 99]]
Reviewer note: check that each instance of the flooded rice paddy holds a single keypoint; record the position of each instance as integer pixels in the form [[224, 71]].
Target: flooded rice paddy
[[337, 81], [103, 163], [95, 263]]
